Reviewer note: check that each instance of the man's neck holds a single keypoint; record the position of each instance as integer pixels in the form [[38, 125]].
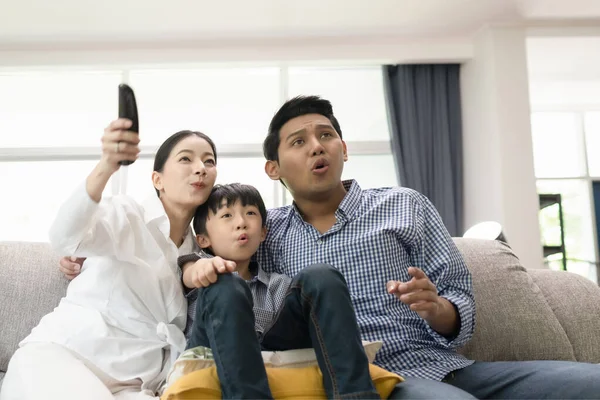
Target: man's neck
[[320, 212]]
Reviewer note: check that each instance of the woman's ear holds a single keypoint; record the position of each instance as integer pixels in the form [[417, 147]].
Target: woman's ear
[[157, 180]]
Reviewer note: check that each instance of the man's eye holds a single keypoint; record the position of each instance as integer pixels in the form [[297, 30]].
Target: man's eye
[[297, 142]]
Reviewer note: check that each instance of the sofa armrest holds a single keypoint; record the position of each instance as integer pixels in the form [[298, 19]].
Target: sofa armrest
[[575, 301]]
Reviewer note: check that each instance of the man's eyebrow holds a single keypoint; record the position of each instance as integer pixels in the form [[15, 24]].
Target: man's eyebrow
[[303, 130], [294, 134]]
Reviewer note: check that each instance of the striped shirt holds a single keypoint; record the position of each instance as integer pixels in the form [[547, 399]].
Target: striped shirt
[[268, 294], [379, 233]]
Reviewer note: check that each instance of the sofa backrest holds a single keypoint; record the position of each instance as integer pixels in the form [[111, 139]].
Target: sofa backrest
[[30, 287], [534, 314], [521, 315]]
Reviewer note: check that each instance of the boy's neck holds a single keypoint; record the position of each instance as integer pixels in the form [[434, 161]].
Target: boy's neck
[[243, 269]]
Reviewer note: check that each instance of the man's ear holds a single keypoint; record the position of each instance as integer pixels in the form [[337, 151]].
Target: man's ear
[[203, 241], [345, 149], [157, 181], [272, 169]]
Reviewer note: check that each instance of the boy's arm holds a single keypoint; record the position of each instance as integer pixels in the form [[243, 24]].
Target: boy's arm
[[198, 270]]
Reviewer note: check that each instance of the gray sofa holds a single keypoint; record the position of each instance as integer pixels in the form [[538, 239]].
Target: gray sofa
[[521, 314]]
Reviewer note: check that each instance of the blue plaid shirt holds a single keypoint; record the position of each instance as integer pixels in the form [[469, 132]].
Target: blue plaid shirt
[[379, 233]]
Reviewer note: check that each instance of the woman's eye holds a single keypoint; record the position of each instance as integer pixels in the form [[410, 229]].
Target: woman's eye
[[209, 162], [184, 159]]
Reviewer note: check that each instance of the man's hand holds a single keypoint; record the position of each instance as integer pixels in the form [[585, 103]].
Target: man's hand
[[70, 266], [421, 295], [205, 271]]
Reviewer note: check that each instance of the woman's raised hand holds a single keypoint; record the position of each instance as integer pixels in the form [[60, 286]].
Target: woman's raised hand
[[119, 144]]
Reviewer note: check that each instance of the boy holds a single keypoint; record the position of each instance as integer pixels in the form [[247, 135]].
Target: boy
[[313, 309]]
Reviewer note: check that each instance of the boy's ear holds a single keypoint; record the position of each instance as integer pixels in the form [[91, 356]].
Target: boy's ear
[[263, 234], [203, 241]]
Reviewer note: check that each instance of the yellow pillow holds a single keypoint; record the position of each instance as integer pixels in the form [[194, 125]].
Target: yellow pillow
[[285, 383]]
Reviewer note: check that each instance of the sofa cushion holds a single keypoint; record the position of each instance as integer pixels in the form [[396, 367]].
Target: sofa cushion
[[30, 287], [575, 301], [513, 320]]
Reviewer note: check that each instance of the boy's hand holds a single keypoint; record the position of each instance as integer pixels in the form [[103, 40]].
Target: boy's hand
[[204, 272], [70, 266]]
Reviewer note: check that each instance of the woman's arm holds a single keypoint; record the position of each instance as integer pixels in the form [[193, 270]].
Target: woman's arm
[[81, 219]]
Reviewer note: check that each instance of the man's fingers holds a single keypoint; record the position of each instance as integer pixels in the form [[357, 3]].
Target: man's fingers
[[416, 273], [417, 297]]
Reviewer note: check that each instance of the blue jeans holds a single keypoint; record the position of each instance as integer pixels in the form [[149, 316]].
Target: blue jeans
[[509, 380], [317, 312]]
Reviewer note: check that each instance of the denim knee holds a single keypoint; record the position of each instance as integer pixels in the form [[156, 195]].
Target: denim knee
[[321, 276], [228, 291]]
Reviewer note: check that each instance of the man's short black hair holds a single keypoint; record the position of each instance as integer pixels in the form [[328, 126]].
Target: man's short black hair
[[296, 107], [231, 193]]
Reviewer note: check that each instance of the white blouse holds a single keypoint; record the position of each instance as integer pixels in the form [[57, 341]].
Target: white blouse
[[127, 305]]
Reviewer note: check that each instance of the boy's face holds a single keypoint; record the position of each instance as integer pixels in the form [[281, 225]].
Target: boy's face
[[311, 156], [234, 232]]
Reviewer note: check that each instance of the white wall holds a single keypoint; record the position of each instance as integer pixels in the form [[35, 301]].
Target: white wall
[[498, 157]]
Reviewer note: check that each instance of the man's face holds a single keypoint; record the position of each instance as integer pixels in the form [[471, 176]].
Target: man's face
[[311, 156], [233, 232]]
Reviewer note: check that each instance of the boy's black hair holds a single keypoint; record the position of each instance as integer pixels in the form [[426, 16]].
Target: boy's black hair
[[231, 193], [296, 107]]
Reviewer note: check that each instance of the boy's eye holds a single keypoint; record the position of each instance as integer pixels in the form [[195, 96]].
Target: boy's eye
[[251, 213], [226, 215]]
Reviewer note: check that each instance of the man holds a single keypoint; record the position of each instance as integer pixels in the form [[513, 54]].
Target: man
[[408, 282]]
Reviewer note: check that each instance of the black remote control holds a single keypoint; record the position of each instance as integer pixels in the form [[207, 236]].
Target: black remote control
[[128, 109]]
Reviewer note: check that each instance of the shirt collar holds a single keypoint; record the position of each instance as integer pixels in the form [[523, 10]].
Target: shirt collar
[[258, 273], [350, 204], [153, 208], [154, 211]]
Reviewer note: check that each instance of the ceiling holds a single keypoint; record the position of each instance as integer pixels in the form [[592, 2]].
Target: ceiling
[[23, 22]]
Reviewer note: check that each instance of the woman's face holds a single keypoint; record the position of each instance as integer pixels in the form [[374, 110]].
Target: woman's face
[[189, 173]]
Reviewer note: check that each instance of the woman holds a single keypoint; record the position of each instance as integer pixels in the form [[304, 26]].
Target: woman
[[119, 327]]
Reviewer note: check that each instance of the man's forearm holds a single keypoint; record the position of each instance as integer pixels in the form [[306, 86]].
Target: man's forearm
[[447, 321]]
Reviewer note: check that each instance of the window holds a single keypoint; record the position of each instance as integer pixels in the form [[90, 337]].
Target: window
[[51, 122], [56, 109], [566, 159], [592, 134]]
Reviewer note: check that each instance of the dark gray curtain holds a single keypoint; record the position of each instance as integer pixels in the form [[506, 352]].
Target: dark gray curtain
[[426, 127]]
